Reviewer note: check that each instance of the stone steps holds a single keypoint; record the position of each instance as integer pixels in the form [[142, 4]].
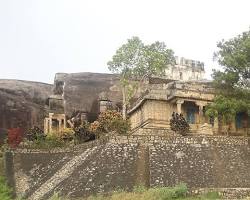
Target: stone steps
[[62, 174]]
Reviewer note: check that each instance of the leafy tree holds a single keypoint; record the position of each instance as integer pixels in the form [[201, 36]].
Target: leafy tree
[[134, 61], [233, 81]]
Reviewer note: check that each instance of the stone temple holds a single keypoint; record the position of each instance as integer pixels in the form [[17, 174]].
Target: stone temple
[[151, 156], [183, 90], [186, 69]]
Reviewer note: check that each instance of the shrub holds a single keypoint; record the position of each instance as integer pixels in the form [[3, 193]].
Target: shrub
[[15, 136], [95, 127], [180, 190], [68, 134], [109, 121], [35, 133], [50, 141], [179, 124], [5, 191], [83, 133]]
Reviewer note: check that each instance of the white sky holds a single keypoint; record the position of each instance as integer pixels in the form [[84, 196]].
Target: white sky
[[39, 38]]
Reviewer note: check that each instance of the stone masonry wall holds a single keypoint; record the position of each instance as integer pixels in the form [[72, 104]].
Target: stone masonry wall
[[124, 161]]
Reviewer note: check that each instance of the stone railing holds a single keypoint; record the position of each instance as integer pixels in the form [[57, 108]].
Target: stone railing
[[198, 139]]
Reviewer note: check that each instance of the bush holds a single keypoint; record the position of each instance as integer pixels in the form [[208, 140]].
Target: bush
[[35, 133], [50, 141], [68, 134], [179, 124], [15, 137], [83, 133], [109, 121], [5, 191]]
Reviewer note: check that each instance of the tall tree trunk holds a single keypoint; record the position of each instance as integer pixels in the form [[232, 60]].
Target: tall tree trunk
[[124, 103]]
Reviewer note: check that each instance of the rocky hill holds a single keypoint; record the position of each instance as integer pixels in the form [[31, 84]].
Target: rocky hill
[[22, 103]]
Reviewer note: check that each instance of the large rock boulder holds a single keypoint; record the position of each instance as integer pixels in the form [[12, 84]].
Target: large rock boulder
[[81, 91], [22, 103]]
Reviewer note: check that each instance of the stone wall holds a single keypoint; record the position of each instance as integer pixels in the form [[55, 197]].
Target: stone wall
[[124, 161], [156, 111]]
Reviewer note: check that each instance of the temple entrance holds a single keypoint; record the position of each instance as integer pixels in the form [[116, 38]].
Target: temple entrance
[[191, 111], [241, 120], [190, 115], [55, 125]]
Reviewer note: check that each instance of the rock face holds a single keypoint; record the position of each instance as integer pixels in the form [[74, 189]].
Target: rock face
[[25, 103], [22, 103], [81, 91]]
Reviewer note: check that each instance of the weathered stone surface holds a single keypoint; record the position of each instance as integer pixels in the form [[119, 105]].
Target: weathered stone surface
[[82, 90], [123, 161], [22, 103]]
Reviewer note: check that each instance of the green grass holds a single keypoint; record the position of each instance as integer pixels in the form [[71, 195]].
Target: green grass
[[162, 193], [5, 191], [1, 166], [140, 193]]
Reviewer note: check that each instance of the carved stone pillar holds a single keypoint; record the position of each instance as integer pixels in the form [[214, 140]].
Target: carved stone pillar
[[179, 103], [59, 125], [216, 125], [201, 115], [64, 122], [50, 125], [46, 125]]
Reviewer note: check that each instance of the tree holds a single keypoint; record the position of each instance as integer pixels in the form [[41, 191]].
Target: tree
[[134, 61], [232, 83]]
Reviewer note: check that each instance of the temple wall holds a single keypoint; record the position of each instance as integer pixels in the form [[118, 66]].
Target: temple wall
[[136, 118], [125, 161], [158, 111], [184, 73]]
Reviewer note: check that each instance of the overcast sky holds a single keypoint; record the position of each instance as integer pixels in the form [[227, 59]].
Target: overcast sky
[[39, 38]]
